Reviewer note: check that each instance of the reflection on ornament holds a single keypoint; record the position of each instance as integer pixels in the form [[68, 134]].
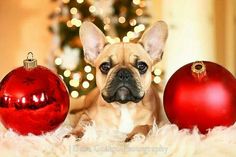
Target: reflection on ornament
[[90, 76], [61, 77], [87, 69], [74, 94], [85, 84], [67, 73]]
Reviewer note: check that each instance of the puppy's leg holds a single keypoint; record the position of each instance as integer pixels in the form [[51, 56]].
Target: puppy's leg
[[140, 129], [84, 121]]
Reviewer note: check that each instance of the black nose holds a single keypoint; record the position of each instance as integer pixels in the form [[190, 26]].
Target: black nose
[[124, 74]]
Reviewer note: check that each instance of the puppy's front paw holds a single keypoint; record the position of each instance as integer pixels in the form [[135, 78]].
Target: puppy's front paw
[[79, 133], [138, 136], [138, 130], [80, 128]]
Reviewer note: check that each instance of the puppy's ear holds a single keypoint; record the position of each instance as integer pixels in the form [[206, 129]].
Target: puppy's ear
[[93, 41], [154, 39]]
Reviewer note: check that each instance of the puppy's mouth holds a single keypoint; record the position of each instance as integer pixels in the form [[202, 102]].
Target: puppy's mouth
[[123, 95]]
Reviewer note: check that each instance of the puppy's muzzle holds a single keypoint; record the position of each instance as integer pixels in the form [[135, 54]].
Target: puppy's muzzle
[[123, 88]]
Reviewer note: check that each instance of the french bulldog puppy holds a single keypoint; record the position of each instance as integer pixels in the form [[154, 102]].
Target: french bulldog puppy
[[124, 98]]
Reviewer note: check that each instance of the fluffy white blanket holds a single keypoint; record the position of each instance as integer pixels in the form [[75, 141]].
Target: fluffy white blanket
[[166, 141]]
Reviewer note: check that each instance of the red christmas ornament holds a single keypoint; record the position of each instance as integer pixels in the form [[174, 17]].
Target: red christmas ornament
[[32, 99], [201, 94]]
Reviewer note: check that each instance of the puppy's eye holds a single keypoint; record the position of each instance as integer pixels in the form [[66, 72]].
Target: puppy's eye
[[142, 67], [105, 67]]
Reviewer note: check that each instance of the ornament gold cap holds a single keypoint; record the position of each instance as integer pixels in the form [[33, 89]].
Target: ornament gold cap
[[198, 69], [30, 62]]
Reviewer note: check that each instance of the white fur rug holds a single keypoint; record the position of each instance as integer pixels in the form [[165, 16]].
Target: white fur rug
[[166, 141]]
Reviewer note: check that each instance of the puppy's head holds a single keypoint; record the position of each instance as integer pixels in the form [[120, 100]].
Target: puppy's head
[[123, 70]]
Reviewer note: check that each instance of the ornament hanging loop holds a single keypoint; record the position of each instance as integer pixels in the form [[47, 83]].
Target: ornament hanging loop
[[199, 70], [30, 56], [30, 62]]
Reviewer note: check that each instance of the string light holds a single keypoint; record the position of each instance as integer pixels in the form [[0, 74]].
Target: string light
[[76, 76], [76, 22], [85, 84], [67, 73], [65, 1], [90, 76], [69, 24], [142, 27], [80, 1], [130, 34], [106, 27], [139, 28], [136, 29], [107, 20], [157, 79], [132, 22], [117, 40], [122, 19], [73, 11], [139, 12], [157, 71], [125, 39], [58, 61], [92, 9], [136, 2], [87, 69], [142, 4], [109, 39], [74, 94], [74, 83]]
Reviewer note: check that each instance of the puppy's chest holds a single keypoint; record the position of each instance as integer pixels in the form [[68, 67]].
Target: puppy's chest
[[123, 118]]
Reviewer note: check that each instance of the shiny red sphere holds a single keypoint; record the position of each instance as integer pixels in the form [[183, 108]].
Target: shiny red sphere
[[33, 100], [205, 102]]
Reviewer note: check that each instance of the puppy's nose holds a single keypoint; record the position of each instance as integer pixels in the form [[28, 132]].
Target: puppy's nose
[[124, 74]]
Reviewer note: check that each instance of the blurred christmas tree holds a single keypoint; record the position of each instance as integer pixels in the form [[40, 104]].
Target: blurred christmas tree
[[120, 20]]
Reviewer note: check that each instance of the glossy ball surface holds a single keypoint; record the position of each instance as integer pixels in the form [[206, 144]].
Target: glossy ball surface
[[33, 100], [203, 102]]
